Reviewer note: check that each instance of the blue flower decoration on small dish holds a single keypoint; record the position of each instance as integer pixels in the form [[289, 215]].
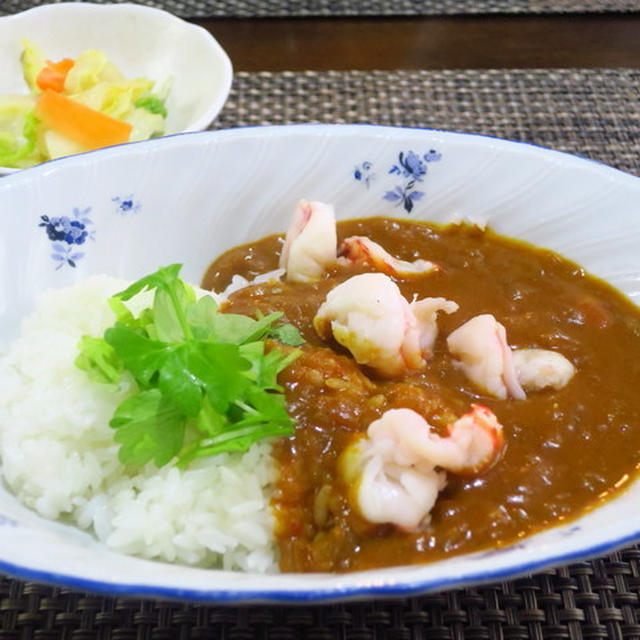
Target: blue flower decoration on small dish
[[126, 205], [66, 234], [363, 173]]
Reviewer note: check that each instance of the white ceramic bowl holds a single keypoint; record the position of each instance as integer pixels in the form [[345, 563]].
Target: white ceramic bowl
[[139, 40], [187, 198]]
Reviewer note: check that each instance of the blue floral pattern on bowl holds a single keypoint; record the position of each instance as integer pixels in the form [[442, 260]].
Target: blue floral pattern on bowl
[[410, 168], [126, 205], [501, 550], [363, 173], [567, 533], [66, 233]]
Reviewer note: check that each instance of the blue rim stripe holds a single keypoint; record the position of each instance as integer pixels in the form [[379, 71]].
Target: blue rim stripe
[[299, 596]]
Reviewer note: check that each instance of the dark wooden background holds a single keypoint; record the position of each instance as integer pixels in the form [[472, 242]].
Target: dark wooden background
[[472, 42]]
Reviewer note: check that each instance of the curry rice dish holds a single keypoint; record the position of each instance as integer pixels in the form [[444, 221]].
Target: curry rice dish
[[565, 450], [456, 391]]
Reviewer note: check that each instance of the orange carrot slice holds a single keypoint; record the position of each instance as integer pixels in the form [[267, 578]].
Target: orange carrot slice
[[86, 126], [54, 74]]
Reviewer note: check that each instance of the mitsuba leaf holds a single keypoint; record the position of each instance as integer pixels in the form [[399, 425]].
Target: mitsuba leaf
[[221, 370], [232, 328], [99, 360], [164, 278], [201, 317], [239, 439], [284, 333], [200, 372], [142, 356], [168, 311], [272, 364], [287, 334], [253, 352], [237, 329], [148, 427], [211, 422], [122, 312], [268, 408], [178, 384], [275, 362]]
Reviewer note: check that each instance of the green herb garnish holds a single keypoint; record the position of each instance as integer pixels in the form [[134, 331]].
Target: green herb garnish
[[206, 383]]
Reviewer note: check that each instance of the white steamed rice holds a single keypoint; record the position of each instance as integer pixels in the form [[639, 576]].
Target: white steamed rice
[[59, 457]]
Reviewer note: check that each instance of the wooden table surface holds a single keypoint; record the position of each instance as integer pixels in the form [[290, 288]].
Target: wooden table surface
[[472, 42]]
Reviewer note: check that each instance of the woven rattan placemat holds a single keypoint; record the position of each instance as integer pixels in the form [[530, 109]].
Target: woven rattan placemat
[[302, 8], [595, 113], [592, 112], [592, 601]]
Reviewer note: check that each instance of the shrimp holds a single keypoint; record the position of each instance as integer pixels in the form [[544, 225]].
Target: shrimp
[[310, 244], [310, 247], [488, 361], [426, 313], [368, 315], [362, 249], [397, 470], [538, 369], [485, 357]]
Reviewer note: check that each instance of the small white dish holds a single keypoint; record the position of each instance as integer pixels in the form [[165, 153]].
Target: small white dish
[[188, 198], [139, 40]]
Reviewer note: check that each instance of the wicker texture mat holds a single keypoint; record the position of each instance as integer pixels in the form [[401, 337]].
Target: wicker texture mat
[[592, 112], [290, 8]]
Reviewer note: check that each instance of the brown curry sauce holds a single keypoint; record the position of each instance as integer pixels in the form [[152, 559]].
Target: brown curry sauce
[[566, 451]]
